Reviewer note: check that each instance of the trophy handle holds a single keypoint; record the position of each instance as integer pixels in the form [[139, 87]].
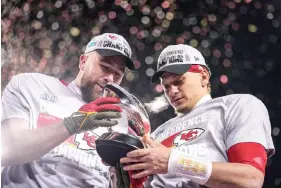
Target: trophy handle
[[141, 107], [124, 95]]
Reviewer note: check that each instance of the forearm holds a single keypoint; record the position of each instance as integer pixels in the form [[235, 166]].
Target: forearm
[[21, 145], [24, 145], [213, 174], [234, 175]]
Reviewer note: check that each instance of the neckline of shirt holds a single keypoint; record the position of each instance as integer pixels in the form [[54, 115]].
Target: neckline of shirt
[[73, 87], [203, 99]]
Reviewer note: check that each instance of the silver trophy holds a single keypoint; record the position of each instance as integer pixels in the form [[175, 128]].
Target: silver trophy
[[116, 143]]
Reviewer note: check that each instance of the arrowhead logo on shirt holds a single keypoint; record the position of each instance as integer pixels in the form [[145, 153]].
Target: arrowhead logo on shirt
[[183, 137], [86, 140]]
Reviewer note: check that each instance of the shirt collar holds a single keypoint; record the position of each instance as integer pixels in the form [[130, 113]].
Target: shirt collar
[[203, 99], [73, 87]]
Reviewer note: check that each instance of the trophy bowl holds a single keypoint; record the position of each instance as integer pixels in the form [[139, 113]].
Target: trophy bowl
[[113, 145]]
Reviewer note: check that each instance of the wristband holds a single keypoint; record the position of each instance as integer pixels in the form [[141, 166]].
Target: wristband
[[74, 126], [195, 169]]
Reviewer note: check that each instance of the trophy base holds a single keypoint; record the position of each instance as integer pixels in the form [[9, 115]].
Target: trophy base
[[112, 146]]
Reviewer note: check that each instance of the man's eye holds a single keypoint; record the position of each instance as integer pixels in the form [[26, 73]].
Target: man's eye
[[178, 82], [117, 74], [105, 67]]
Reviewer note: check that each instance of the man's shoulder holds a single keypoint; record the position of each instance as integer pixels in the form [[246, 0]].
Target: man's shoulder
[[237, 99], [30, 78], [33, 75], [241, 102]]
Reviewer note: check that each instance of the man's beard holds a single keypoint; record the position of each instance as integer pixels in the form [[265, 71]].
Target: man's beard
[[88, 91], [182, 109], [89, 94]]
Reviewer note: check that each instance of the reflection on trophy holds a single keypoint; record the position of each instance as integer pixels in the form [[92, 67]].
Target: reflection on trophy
[[123, 138]]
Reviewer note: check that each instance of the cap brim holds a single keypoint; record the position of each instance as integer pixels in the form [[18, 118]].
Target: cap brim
[[106, 52], [172, 68]]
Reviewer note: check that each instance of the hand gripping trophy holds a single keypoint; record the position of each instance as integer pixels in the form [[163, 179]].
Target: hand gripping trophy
[[115, 144]]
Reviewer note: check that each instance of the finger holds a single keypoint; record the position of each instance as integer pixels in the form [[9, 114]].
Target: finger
[[148, 141], [152, 143], [144, 138], [139, 153], [108, 107], [129, 160], [142, 174], [106, 100], [88, 108], [106, 115], [137, 166], [104, 123]]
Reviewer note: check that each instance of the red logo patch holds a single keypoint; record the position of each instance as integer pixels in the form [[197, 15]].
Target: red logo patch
[[112, 37], [187, 136], [91, 140], [86, 140]]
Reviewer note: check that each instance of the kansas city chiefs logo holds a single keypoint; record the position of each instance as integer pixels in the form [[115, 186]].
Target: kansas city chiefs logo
[[86, 140], [187, 136], [112, 37]]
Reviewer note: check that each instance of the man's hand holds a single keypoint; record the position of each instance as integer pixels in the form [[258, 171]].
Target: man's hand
[[149, 161], [93, 115]]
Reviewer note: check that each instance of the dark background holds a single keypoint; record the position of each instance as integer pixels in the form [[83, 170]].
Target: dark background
[[240, 39]]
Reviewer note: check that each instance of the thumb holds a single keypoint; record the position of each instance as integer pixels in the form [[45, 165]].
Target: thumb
[[148, 141]]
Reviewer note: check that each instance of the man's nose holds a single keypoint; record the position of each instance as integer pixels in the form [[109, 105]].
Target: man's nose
[[173, 90], [109, 77]]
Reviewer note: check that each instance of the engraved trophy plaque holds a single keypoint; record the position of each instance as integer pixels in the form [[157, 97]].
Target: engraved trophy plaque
[[116, 143]]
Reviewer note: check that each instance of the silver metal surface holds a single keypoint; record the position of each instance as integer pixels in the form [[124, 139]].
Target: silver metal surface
[[127, 99]]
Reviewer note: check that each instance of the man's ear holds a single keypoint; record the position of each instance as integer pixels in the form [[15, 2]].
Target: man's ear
[[205, 78], [82, 62]]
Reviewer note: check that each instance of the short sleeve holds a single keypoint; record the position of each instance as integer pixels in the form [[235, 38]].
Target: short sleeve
[[14, 104], [247, 120]]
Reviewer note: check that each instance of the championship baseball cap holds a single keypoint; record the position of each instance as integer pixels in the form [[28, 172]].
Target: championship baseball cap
[[178, 59], [111, 44]]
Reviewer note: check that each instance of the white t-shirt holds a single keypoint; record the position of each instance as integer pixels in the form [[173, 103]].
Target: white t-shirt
[[43, 100], [210, 129]]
